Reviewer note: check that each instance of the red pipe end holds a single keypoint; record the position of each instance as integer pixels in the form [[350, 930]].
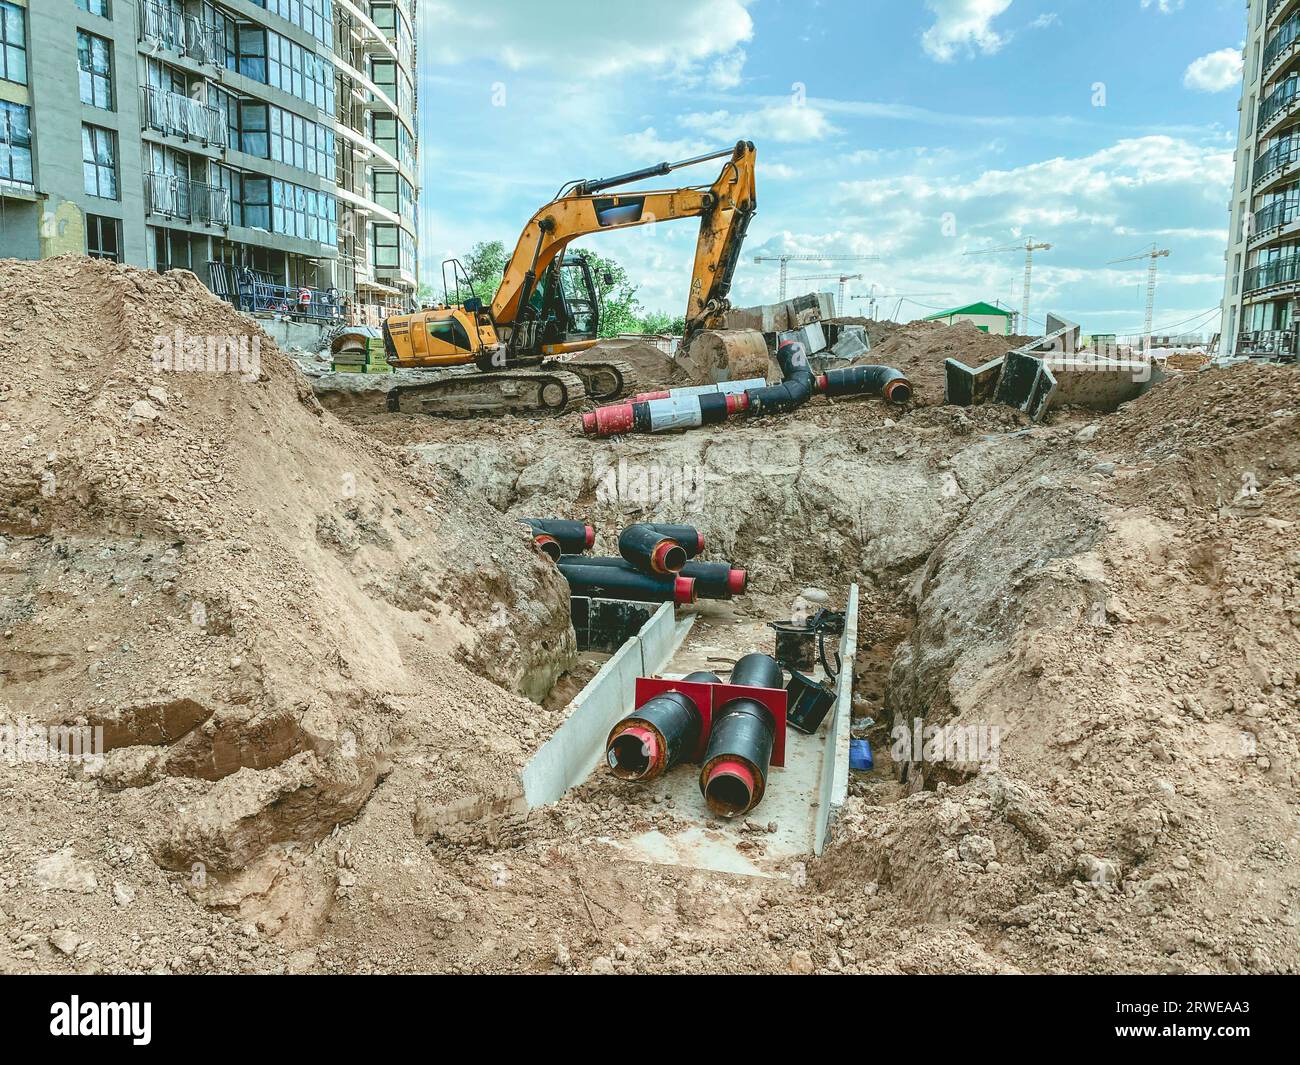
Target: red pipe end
[[699, 542], [646, 397], [591, 536], [635, 753], [608, 421], [899, 390], [667, 557], [684, 591], [549, 546], [737, 579], [729, 788], [736, 402], [821, 382]]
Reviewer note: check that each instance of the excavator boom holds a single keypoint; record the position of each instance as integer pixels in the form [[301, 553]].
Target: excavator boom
[[724, 209]]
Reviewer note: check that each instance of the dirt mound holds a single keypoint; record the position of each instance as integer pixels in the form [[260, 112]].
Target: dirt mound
[[263, 609], [920, 348], [655, 368]]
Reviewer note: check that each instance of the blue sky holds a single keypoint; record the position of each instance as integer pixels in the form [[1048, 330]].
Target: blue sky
[[914, 130]]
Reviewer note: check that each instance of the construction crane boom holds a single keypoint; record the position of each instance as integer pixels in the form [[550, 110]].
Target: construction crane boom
[[1028, 247], [875, 297], [785, 260], [841, 278], [1155, 253]]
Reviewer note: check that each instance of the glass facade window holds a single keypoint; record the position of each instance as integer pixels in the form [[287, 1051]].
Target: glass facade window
[[304, 74], [254, 124], [94, 58], [305, 213], [296, 141], [15, 143], [314, 16], [99, 162], [103, 238], [96, 7], [13, 43]]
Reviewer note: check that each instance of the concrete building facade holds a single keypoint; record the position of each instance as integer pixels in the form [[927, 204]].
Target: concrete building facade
[[1262, 282], [266, 145]]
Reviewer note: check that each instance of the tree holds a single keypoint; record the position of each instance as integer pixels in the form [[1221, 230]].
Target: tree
[[659, 322], [485, 264], [619, 307]]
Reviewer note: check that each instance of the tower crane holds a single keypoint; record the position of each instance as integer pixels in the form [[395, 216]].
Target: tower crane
[[1154, 253], [1028, 247], [786, 259], [841, 278]]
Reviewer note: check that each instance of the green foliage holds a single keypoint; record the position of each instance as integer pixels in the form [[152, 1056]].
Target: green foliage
[[619, 307], [659, 322], [485, 263]]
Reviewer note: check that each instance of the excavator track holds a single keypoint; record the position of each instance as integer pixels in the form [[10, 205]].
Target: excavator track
[[605, 381], [474, 394]]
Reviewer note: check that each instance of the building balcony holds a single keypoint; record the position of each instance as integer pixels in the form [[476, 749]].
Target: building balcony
[[1276, 163], [1269, 221], [180, 199], [179, 116], [1276, 10], [1273, 276], [161, 27], [1281, 46], [1277, 344]]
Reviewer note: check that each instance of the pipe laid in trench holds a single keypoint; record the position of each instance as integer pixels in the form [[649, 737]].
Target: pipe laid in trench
[[651, 551], [733, 777], [572, 537], [726, 388], [713, 580], [691, 539], [606, 582], [689, 411], [657, 735]]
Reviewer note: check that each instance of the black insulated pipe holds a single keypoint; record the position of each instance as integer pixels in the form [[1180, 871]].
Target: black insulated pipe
[[657, 735], [574, 537], [713, 580], [691, 539], [876, 380], [651, 551], [736, 762], [794, 391], [608, 582]]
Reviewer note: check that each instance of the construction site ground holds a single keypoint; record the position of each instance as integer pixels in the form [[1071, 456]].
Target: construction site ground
[[322, 650]]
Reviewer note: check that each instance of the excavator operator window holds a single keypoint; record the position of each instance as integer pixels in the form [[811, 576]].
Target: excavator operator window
[[579, 295]]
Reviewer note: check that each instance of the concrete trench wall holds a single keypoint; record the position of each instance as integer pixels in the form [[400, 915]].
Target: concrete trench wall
[[835, 764], [569, 756]]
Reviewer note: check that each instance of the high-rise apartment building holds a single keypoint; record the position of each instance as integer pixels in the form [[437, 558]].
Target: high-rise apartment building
[[1262, 281], [267, 145]]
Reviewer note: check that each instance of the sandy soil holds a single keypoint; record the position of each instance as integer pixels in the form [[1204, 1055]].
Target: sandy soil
[[322, 651]]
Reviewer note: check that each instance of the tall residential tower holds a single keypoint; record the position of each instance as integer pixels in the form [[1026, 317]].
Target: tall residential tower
[[242, 139]]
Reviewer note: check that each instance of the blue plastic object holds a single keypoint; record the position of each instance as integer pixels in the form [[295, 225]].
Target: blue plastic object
[[860, 754]]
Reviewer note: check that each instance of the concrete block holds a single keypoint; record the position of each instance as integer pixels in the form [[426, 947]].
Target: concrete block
[[964, 386], [569, 756], [810, 336], [851, 342], [833, 790]]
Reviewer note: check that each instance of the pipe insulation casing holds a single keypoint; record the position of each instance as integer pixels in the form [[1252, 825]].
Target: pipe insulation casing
[[733, 777], [726, 388], [607, 582], [650, 551], [877, 380], [574, 537], [691, 539], [658, 734], [713, 580]]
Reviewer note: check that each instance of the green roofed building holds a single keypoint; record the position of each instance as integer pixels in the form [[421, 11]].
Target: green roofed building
[[983, 316]]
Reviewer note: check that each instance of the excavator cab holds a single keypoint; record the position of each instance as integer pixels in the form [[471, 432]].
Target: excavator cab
[[569, 307]]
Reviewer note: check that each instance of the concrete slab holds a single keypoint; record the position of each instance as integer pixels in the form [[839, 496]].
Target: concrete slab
[[833, 785], [964, 386]]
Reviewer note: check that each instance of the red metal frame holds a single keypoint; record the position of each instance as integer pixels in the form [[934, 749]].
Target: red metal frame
[[707, 696]]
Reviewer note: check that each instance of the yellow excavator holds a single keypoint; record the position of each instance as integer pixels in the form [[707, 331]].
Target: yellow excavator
[[546, 307]]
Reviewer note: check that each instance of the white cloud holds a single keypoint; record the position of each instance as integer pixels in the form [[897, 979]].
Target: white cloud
[[1214, 72], [590, 40], [1165, 7], [778, 122], [963, 26]]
